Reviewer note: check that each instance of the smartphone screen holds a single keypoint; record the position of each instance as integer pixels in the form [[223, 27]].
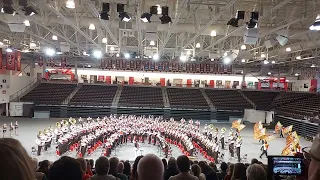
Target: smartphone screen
[[285, 165]]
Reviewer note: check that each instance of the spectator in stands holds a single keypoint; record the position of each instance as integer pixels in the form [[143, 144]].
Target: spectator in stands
[[223, 172], [229, 172], [127, 169], [254, 161], [208, 171], [213, 166], [83, 165], [183, 164], [102, 169], [314, 167], [91, 162], [39, 175], [150, 167], [66, 168], [172, 169], [134, 174], [114, 162], [120, 167], [256, 172], [239, 172], [196, 171], [165, 164], [15, 163], [44, 167]]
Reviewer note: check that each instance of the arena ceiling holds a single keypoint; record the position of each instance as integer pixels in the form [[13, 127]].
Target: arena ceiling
[[192, 23]]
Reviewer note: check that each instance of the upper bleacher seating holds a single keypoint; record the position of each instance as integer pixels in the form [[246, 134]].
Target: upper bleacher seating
[[134, 96], [287, 97], [94, 95], [186, 98], [227, 99], [49, 93], [262, 99]]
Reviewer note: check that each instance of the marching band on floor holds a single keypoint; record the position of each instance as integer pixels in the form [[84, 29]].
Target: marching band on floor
[[86, 135]]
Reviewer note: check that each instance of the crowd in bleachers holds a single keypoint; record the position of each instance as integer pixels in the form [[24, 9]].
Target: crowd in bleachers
[[16, 164]]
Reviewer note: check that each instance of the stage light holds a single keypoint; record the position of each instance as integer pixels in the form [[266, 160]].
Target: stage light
[[198, 45], [155, 57], [54, 37], [273, 62], [183, 58], [226, 60], [70, 4], [265, 62], [9, 50], [26, 22], [7, 9], [59, 53], [288, 49], [92, 27], [243, 60], [225, 53], [269, 73], [85, 53], [263, 55], [165, 19], [104, 15], [316, 25], [152, 43], [104, 40], [298, 57], [243, 47], [127, 55], [117, 55], [234, 21], [213, 33], [212, 59], [124, 17], [111, 48], [33, 45], [97, 54], [50, 52], [145, 17], [29, 11], [253, 20], [296, 74]]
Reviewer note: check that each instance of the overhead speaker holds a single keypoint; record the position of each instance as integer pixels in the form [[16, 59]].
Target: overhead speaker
[[282, 40], [251, 36]]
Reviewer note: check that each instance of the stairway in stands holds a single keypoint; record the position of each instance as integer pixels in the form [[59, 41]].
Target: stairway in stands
[[67, 100], [117, 96], [165, 97], [249, 100]]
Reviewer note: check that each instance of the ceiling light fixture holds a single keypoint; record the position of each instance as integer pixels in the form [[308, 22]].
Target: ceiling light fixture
[[273, 62], [29, 11], [127, 55], [263, 56], [117, 55], [265, 62], [313, 65], [316, 25], [70, 4], [9, 50], [198, 45], [7, 8], [104, 40], [155, 56], [243, 47], [26, 22], [54, 37], [145, 17], [183, 58], [298, 57], [124, 16], [50, 52], [92, 27], [288, 49], [269, 73], [111, 48], [188, 52], [213, 33], [152, 43], [243, 60], [97, 54], [165, 19], [226, 60], [296, 74], [104, 15], [253, 20]]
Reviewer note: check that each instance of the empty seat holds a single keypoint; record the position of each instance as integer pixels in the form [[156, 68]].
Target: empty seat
[[186, 98], [262, 99], [94, 95], [49, 93], [133, 96]]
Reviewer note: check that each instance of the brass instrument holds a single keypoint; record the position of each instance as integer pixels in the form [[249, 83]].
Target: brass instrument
[[72, 121], [45, 131], [58, 124]]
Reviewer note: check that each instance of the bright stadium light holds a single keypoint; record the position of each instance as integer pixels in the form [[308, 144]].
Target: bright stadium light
[[243, 47], [127, 55], [298, 57], [70, 4], [117, 55], [152, 43], [213, 33], [183, 58], [26, 23], [92, 27], [50, 52], [97, 54], [198, 45], [155, 56], [54, 37], [9, 50], [104, 40]]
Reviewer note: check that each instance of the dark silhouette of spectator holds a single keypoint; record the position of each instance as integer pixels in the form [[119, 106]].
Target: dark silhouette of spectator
[[183, 164], [208, 171], [254, 161], [196, 171], [172, 169], [165, 164], [229, 172], [239, 172], [83, 164], [256, 172], [66, 168], [150, 167], [44, 167], [134, 174], [127, 169], [102, 169], [114, 162], [223, 172]]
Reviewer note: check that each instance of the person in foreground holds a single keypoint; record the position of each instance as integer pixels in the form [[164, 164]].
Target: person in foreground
[[150, 167], [102, 169], [314, 167], [66, 168], [183, 164], [256, 172]]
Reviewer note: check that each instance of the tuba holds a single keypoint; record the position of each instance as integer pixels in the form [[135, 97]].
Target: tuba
[[45, 131], [72, 121], [40, 133], [64, 122], [58, 124]]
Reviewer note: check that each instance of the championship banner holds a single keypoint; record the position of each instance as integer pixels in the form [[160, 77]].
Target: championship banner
[[10, 60], [18, 61], [103, 63], [40, 61], [63, 62], [0, 58]]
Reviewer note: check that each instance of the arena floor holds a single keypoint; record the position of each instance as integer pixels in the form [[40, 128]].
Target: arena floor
[[28, 129]]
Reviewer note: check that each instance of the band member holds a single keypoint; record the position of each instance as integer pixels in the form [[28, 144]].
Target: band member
[[4, 129], [166, 150], [265, 147], [16, 128], [238, 145], [216, 135], [137, 147], [231, 145], [281, 132], [216, 153], [11, 128], [223, 130], [39, 143]]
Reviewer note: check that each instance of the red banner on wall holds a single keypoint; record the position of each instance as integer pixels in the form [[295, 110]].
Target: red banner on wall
[[63, 62], [40, 61], [0, 58], [10, 60], [18, 63]]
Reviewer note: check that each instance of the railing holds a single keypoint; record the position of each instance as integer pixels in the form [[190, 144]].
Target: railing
[[24, 89]]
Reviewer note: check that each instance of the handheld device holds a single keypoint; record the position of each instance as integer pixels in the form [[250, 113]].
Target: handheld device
[[285, 165]]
